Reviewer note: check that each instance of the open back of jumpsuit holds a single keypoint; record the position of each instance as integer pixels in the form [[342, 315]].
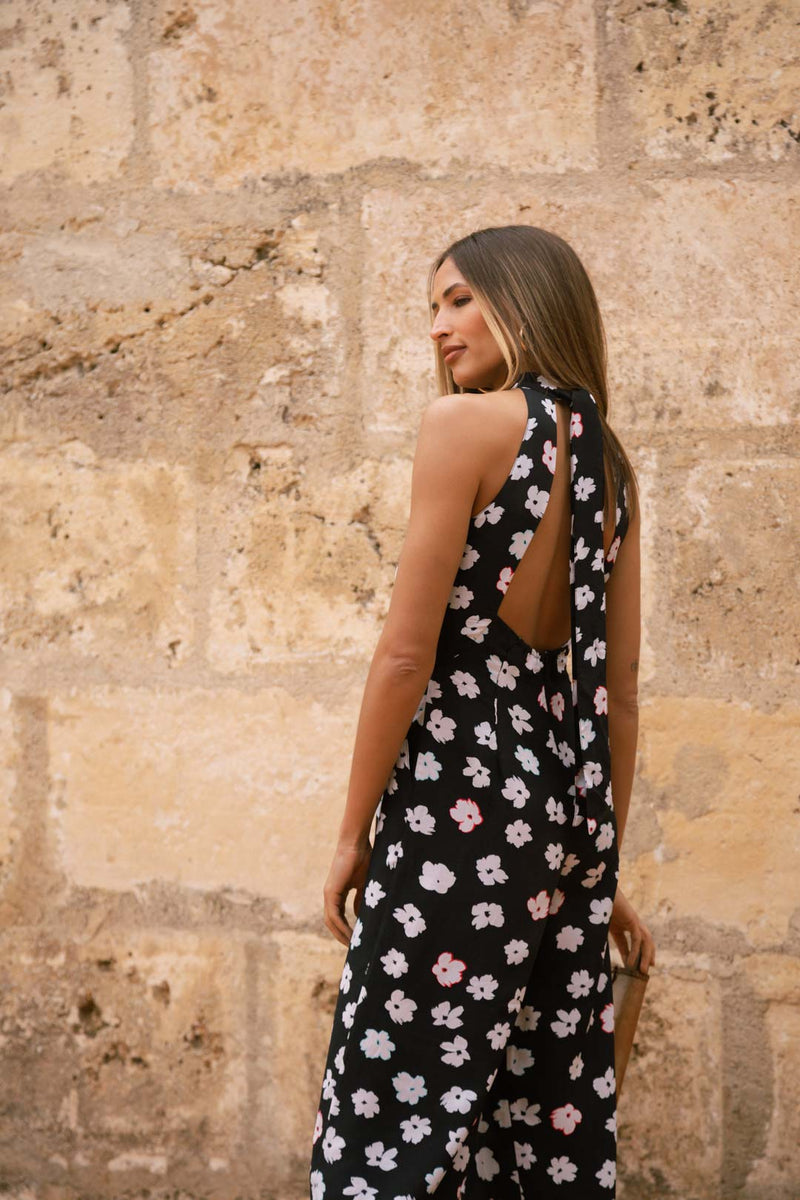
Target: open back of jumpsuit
[[472, 1049]]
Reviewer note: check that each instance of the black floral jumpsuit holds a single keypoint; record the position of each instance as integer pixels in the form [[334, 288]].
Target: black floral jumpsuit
[[472, 1050]]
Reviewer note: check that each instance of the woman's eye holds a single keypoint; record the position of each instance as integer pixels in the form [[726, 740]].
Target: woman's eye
[[462, 300]]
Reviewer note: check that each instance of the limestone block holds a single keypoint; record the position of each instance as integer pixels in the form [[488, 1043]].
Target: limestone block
[[67, 88], [307, 558], [203, 789], [303, 987], [774, 977], [724, 523], [655, 253], [250, 90], [778, 1171], [710, 80], [9, 766], [144, 339], [99, 557], [721, 779], [669, 1122], [132, 1041]]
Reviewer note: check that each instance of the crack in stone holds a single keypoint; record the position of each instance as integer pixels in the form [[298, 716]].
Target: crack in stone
[[83, 362]]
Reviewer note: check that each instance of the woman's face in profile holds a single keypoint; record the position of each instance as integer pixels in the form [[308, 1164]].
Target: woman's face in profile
[[461, 334]]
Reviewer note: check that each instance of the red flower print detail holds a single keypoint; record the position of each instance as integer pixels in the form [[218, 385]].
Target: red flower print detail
[[318, 1123], [542, 698], [600, 700], [466, 814], [607, 1018], [504, 579], [575, 425], [591, 824], [566, 1118], [557, 706], [448, 970], [539, 905]]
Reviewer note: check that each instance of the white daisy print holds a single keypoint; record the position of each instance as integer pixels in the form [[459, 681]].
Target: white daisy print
[[436, 877], [459, 1100], [365, 1103], [518, 833], [515, 790], [447, 1014], [465, 684], [409, 1088], [401, 1008], [490, 870], [503, 673], [411, 919], [442, 727], [394, 963], [415, 1128], [420, 819], [485, 915], [477, 772]]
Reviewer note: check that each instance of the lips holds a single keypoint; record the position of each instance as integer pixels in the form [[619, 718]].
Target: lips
[[449, 354]]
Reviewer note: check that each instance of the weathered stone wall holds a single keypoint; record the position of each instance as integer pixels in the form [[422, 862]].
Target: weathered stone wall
[[217, 217]]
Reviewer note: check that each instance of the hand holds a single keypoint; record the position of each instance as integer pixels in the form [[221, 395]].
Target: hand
[[348, 870], [624, 921]]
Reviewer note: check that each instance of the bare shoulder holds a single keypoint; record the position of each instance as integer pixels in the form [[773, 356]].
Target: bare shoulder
[[472, 420]]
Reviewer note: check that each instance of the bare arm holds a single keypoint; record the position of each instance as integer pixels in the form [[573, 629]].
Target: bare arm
[[623, 636], [444, 483]]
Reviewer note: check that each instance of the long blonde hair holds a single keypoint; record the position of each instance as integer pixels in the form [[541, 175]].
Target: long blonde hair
[[539, 304]]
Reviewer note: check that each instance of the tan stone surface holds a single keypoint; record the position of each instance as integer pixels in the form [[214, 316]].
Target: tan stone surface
[[710, 80], [774, 977], [216, 220], [778, 1171], [307, 558], [304, 981], [727, 531], [141, 340], [67, 88], [721, 778], [669, 1121], [202, 789], [726, 260], [135, 1037], [249, 90], [9, 767], [99, 555]]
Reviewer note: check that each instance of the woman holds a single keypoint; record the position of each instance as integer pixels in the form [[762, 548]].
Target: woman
[[471, 1053]]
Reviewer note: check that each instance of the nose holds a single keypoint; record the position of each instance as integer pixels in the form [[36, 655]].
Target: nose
[[439, 328]]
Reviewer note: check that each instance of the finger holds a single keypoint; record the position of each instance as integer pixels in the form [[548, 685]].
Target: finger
[[337, 922], [620, 942], [337, 932], [648, 950], [331, 929], [636, 945]]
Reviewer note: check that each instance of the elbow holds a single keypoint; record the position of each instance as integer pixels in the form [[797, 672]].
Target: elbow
[[406, 662], [625, 705]]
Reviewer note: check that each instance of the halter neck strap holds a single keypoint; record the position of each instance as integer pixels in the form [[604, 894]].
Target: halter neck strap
[[588, 602]]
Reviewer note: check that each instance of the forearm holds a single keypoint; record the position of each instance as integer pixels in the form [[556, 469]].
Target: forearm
[[623, 732], [391, 697]]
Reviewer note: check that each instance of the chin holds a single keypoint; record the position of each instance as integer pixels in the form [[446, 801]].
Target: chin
[[464, 379]]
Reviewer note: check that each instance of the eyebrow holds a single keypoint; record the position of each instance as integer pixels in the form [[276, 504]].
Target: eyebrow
[[448, 290]]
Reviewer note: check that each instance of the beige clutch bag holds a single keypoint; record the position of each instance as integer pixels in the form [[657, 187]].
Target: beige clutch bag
[[628, 985]]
